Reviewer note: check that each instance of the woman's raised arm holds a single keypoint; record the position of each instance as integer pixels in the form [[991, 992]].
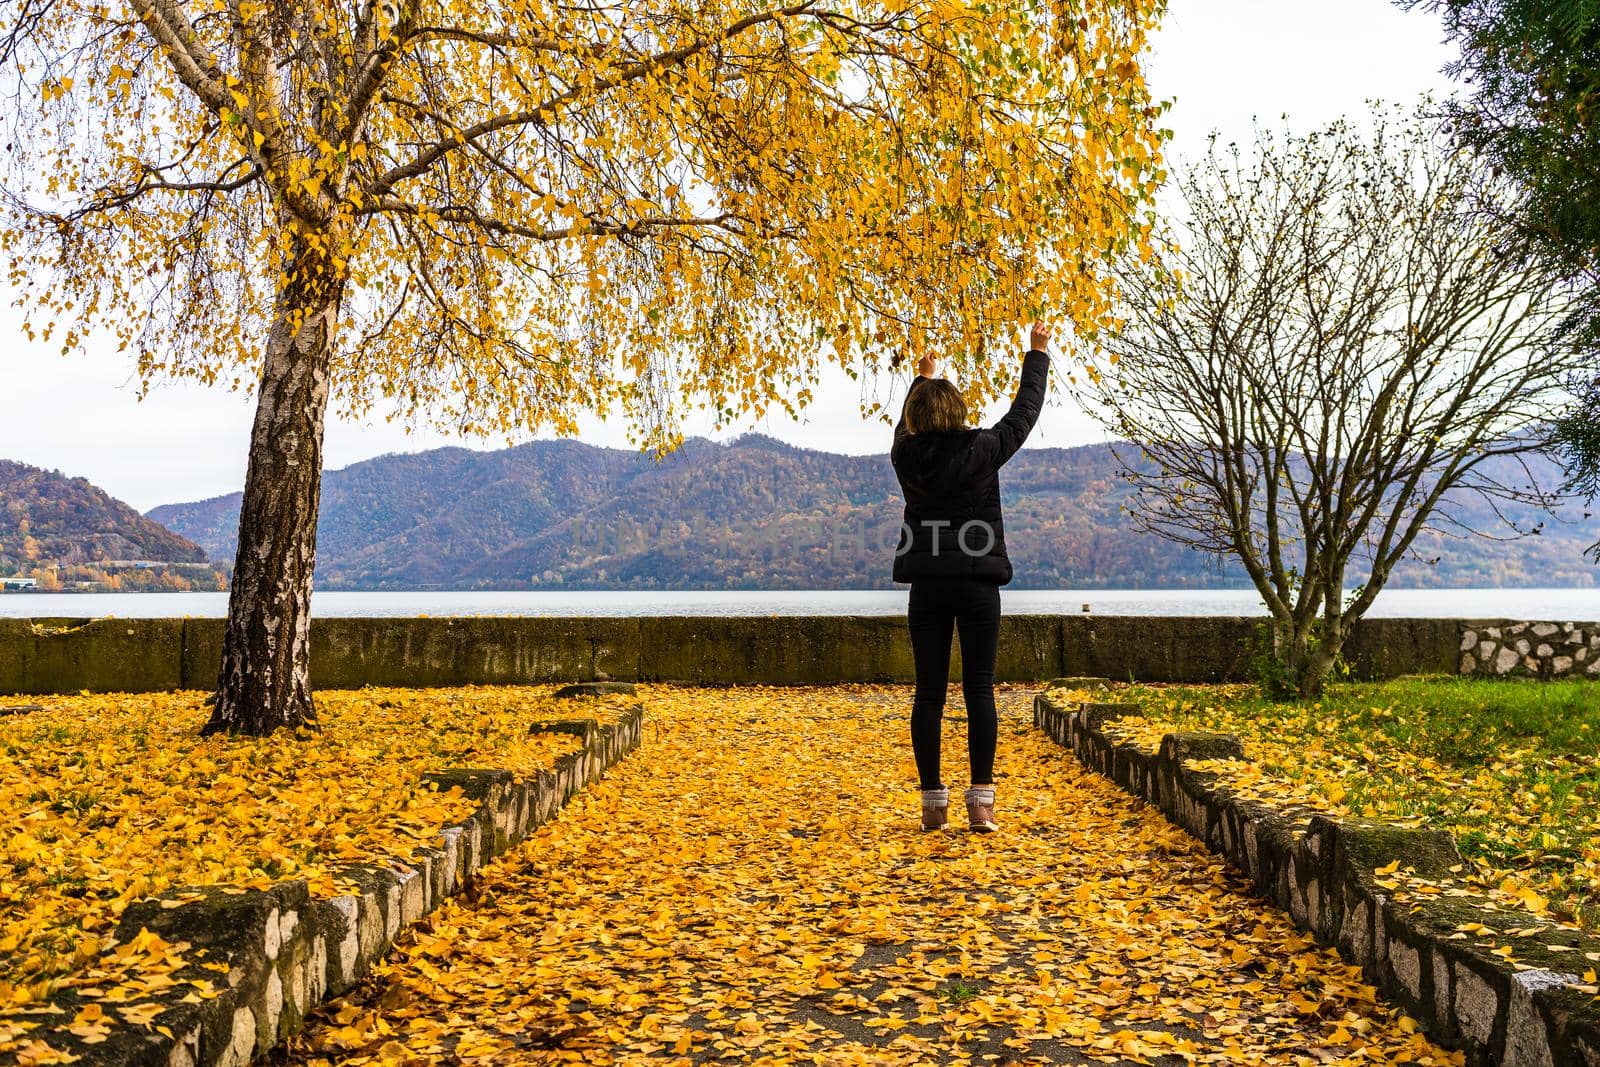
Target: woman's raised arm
[[1013, 428]]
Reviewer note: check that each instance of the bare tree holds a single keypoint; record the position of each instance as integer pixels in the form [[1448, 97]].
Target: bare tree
[[1337, 355]]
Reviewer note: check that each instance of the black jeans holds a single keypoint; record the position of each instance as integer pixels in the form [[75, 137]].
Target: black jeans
[[972, 607]]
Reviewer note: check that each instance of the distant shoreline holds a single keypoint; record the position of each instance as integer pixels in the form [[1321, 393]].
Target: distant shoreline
[[105, 592], [646, 590], [1560, 603]]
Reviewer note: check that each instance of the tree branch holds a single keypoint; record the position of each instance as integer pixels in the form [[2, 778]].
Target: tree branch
[[190, 60], [541, 113]]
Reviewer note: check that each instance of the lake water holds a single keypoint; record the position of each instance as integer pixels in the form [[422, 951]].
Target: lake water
[[1564, 604]]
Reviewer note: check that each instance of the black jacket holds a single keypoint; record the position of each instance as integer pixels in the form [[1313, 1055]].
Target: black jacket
[[951, 484]]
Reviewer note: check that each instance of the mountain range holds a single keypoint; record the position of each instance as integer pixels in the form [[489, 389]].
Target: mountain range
[[757, 513]]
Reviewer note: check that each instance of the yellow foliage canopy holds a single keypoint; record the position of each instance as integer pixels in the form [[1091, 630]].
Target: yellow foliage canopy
[[524, 210]]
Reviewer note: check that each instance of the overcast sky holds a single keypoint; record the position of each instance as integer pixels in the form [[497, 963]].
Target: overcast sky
[[1222, 62]]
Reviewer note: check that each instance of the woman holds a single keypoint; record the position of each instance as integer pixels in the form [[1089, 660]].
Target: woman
[[953, 552]]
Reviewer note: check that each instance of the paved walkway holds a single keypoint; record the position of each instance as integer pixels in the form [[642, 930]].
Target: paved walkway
[[750, 887]]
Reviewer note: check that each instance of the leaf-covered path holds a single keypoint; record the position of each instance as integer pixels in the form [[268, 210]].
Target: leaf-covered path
[[751, 887]]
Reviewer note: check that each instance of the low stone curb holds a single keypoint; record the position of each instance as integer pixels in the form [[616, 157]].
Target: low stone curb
[[274, 954], [1321, 871]]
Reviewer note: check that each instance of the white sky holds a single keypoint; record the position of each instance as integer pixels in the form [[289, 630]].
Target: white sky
[[1223, 62]]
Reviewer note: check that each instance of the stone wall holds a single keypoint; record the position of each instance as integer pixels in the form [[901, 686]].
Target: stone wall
[[1531, 1010], [272, 955], [1531, 649], [142, 655]]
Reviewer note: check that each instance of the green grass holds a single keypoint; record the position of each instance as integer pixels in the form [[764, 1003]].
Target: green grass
[[959, 991], [1511, 767]]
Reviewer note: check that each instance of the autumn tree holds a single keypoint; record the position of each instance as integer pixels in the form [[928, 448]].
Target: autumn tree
[[1343, 353], [498, 216]]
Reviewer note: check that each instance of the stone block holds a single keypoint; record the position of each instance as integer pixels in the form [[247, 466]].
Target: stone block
[[316, 974], [484, 785], [1405, 963], [242, 1040], [344, 937], [1360, 846], [372, 926], [271, 937], [268, 1010], [595, 689], [1527, 1042], [1356, 939], [1294, 891], [1445, 1023], [582, 729], [185, 1050], [454, 857], [412, 896], [391, 909], [1078, 682], [1178, 747], [1478, 1008], [1093, 716], [1316, 918]]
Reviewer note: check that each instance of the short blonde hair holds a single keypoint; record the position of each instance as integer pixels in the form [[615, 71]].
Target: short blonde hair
[[935, 407]]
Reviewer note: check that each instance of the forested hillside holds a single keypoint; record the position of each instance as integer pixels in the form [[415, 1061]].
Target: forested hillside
[[62, 530], [757, 513]]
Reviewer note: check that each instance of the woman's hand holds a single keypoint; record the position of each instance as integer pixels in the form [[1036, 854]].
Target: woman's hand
[[927, 368], [1039, 337]]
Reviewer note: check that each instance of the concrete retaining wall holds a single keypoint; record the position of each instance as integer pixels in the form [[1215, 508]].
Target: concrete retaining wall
[[272, 955], [142, 655], [1533, 1009]]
